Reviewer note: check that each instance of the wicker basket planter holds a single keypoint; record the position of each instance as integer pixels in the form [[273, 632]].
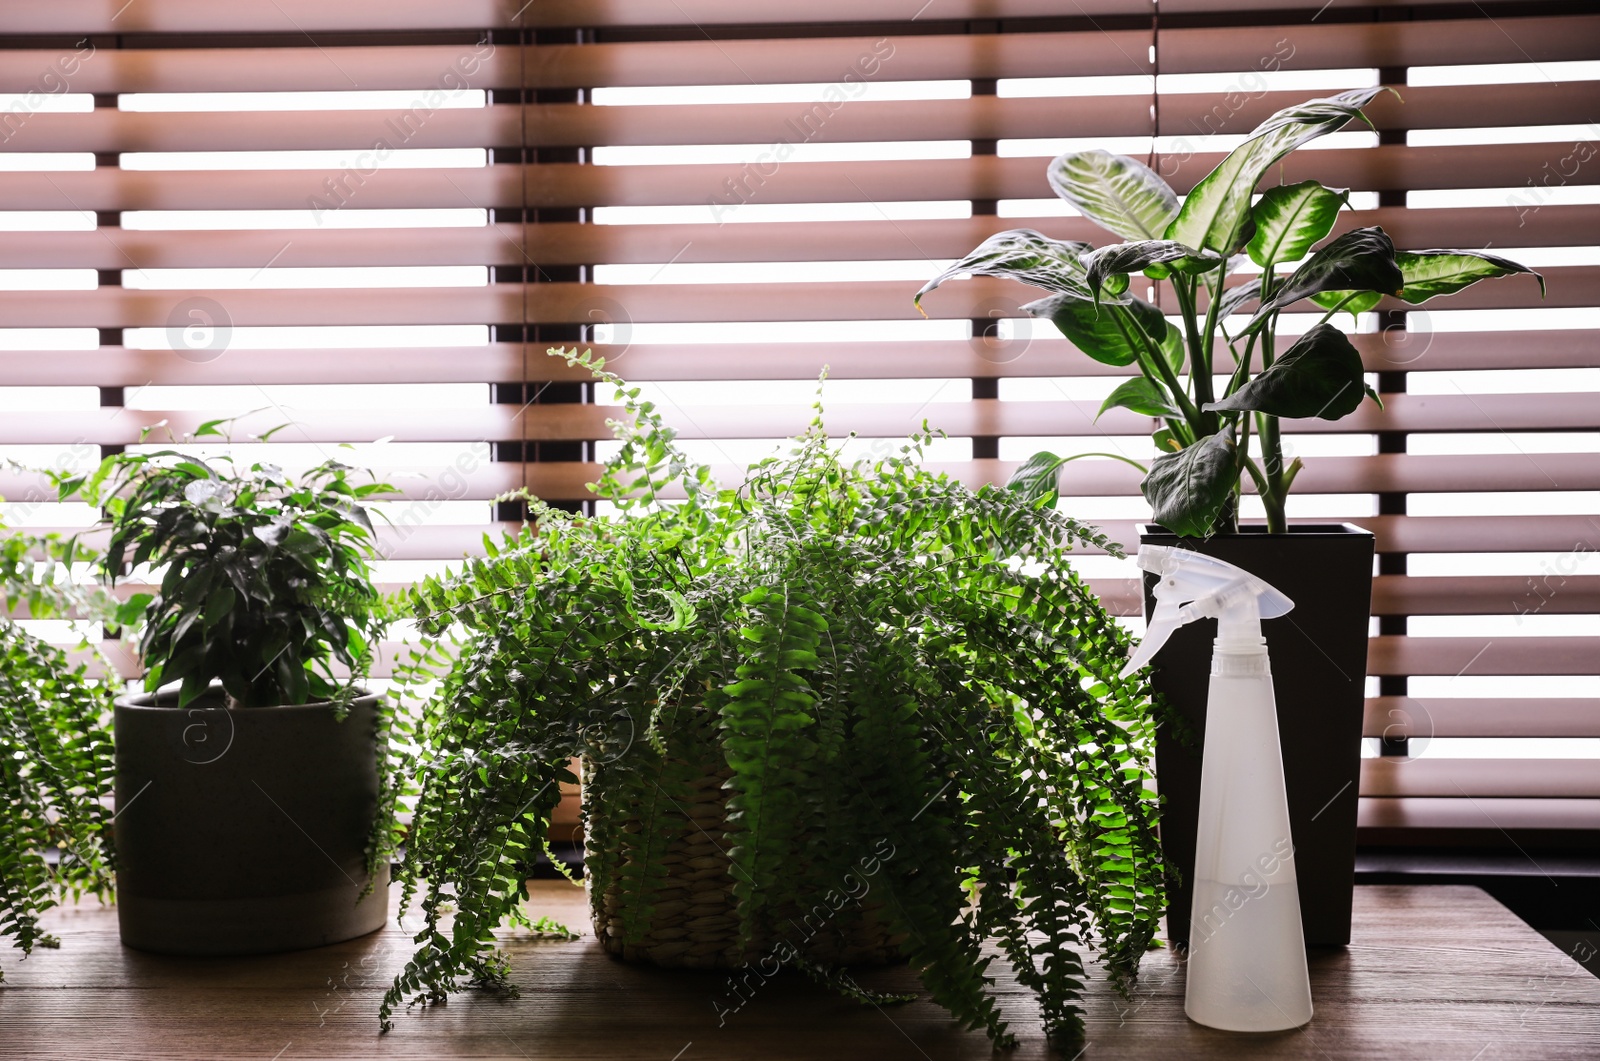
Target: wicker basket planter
[[660, 889], [820, 713]]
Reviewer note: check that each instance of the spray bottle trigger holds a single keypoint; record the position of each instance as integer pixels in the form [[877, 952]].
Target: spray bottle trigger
[[1211, 588], [1163, 621]]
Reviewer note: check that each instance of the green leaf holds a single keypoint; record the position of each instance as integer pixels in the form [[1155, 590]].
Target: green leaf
[[1107, 334], [1352, 302], [1038, 479], [1123, 258], [219, 604], [131, 611], [1320, 376], [1360, 260], [682, 614], [1187, 489], [1172, 347], [1142, 396], [1115, 192], [1025, 255], [273, 533], [1290, 219], [1444, 272], [1216, 212]]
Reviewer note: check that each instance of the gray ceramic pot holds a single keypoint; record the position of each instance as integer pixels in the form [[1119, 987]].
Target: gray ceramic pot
[[243, 831]]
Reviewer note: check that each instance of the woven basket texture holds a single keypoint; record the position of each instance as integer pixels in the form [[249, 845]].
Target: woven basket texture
[[656, 838]]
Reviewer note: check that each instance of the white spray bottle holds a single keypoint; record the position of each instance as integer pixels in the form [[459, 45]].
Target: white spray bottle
[[1247, 955]]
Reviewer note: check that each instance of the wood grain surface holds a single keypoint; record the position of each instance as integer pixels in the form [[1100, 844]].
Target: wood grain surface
[[1433, 972]]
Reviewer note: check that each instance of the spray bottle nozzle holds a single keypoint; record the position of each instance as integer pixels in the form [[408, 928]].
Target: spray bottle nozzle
[[1192, 586]]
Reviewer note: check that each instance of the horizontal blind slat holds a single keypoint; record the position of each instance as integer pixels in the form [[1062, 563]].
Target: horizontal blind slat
[[1484, 534], [1541, 778], [302, 16], [1517, 595], [815, 60], [562, 243], [1531, 655], [1392, 594], [1490, 814], [1445, 534], [1419, 718], [1378, 44], [1456, 656], [399, 538], [411, 540], [478, 480], [842, 120], [1037, 355], [979, 417], [249, 16], [1382, 168], [1448, 595], [112, 307]]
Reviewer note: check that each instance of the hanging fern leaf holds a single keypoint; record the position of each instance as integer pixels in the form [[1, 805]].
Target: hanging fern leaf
[[55, 748]]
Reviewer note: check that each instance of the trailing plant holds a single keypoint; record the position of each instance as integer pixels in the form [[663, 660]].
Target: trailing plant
[[55, 746], [1194, 484], [888, 657]]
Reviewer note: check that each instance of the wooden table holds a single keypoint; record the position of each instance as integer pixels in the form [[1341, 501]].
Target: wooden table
[[1434, 972]]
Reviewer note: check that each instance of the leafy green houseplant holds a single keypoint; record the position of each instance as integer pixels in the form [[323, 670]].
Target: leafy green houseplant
[[255, 734], [1210, 379], [831, 672], [1195, 483], [55, 747], [264, 585]]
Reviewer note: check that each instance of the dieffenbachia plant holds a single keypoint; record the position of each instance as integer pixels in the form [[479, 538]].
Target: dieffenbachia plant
[[1194, 484]]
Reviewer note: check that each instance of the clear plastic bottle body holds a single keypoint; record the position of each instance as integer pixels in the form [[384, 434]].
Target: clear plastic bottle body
[[1247, 958]]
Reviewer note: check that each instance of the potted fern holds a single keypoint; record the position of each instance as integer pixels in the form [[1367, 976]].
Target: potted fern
[[840, 714], [1210, 379], [55, 746], [254, 782]]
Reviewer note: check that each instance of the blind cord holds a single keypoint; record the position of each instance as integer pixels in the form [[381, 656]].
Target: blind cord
[[1155, 80], [527, 275]]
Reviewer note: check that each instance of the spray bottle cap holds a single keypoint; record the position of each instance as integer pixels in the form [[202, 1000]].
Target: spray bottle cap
[[1212, 588]]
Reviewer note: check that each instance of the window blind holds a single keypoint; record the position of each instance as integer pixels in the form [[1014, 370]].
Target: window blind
[[371, 219]]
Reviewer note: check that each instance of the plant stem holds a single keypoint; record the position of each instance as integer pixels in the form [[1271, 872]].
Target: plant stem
[[1271, 442], [1209, 333], [1244, 464], [1154, 358], [1199, 351], [1255, 473], [1272, 456], [1241, 368], [1351, 297], [1113, 456]]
